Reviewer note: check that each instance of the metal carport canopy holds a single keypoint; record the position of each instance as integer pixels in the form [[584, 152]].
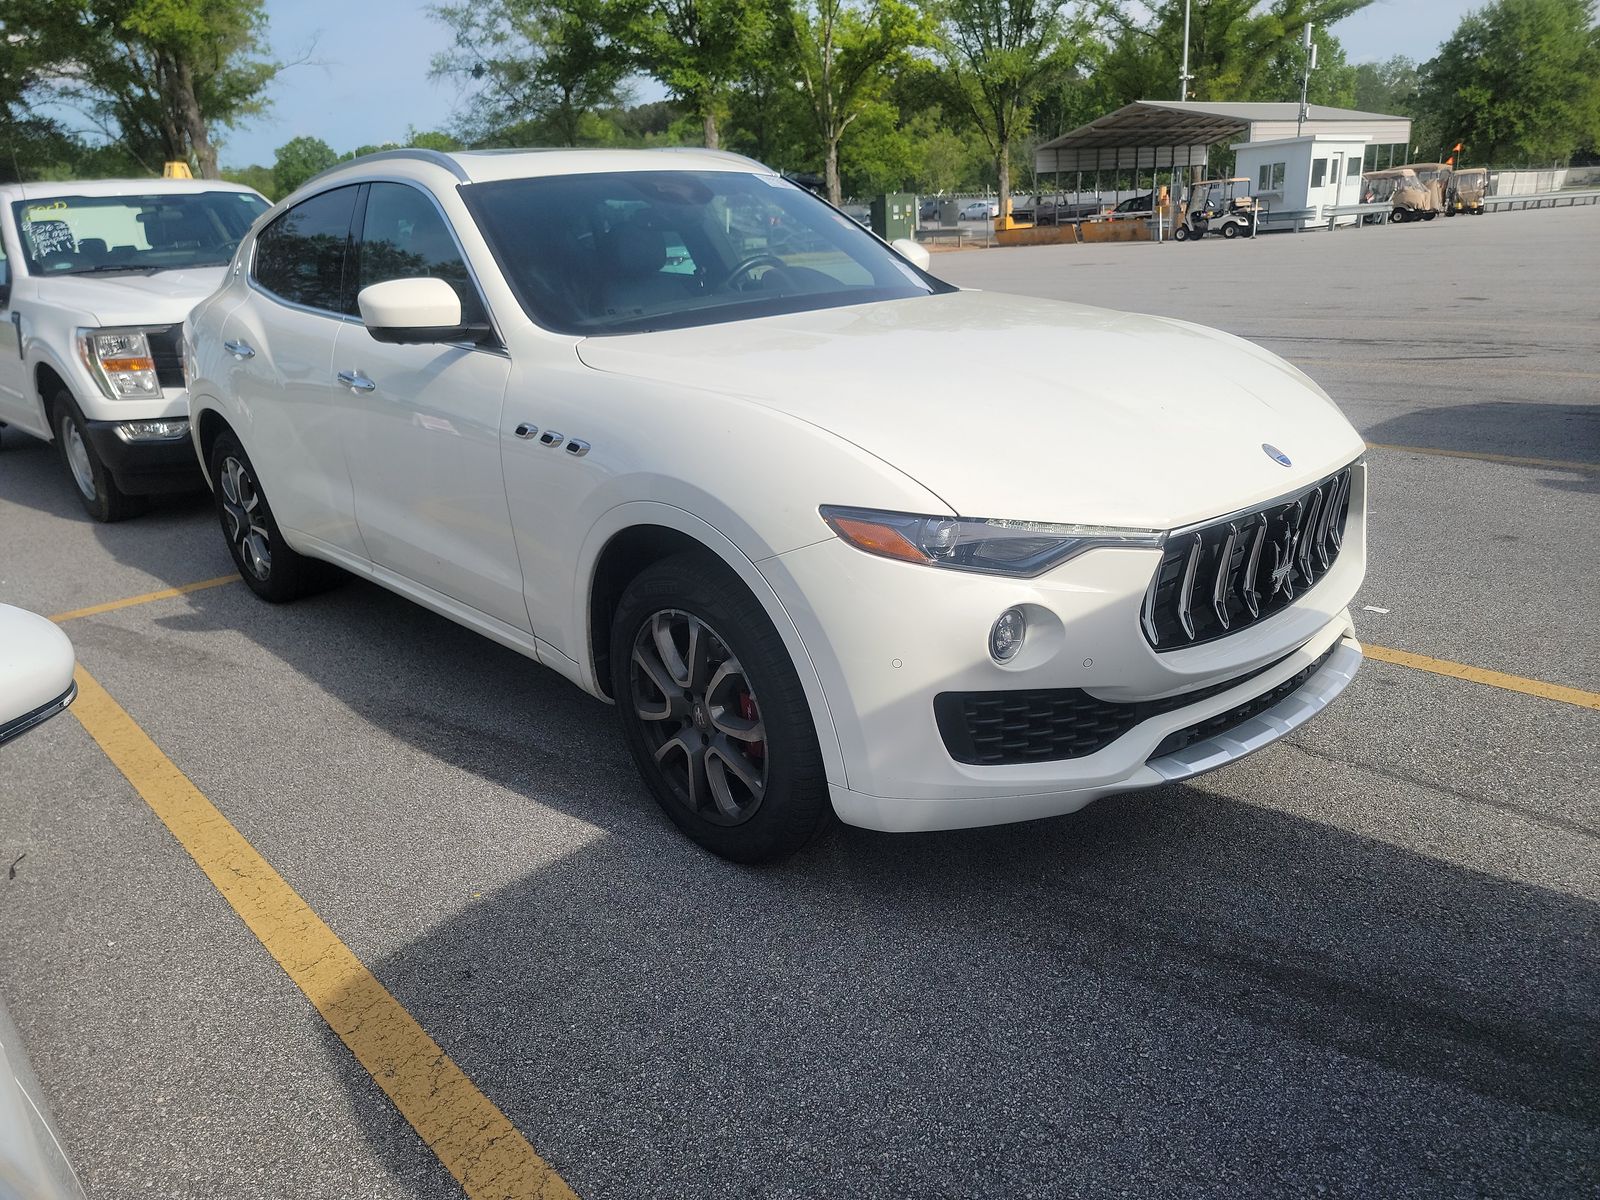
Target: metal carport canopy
[[1139, 135], [1173, 133]]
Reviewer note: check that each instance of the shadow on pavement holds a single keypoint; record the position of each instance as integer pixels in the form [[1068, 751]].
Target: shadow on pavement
[[1563, 432], [1174, 993]]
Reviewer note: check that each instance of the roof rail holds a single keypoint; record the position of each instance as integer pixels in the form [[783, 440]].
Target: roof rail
[[416, 153]]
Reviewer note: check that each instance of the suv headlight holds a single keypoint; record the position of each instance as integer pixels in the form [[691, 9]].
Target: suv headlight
[[999, 547], [120, 361]]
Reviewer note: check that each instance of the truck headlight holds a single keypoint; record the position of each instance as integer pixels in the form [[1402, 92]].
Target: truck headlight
[[120, 362], [991, 547]]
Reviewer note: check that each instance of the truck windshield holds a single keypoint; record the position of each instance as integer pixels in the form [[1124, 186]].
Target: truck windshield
[[77, 235], [629, 251]]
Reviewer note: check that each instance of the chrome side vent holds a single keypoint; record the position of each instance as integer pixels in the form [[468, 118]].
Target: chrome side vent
[[1251, 565]]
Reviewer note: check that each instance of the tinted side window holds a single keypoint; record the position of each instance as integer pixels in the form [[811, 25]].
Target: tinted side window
[[301, 256], [404, 236]]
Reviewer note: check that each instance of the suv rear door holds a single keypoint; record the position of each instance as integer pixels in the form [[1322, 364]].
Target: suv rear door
[[281, 344]]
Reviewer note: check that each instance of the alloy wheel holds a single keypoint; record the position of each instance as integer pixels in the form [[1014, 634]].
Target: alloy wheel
[[78, 457], [700, 718], [244, 516]]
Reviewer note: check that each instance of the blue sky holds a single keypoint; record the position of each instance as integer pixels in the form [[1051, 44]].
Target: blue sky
[[366, 80]]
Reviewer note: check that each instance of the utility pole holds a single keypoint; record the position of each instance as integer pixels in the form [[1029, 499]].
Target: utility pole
[[1305, 80], [1183, 71]]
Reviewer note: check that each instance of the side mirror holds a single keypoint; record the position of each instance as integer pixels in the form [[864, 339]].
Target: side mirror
[[36, 663], [408, 312], [914, 252]]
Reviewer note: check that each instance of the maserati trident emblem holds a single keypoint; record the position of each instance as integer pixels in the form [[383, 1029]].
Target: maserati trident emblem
[[1276, 455], [1282, 573]]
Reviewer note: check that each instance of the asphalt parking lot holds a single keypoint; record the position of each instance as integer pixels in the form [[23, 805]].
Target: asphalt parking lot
[[1365, 961]]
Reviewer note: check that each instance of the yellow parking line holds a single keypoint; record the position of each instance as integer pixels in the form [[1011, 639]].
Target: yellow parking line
[[473, 1138], [146, 598], [1558, 463], [1511, 683]]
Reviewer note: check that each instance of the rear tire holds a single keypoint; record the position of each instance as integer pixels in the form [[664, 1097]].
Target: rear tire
[[102, 499], [1230, 230], [265, 561], [714, 714]]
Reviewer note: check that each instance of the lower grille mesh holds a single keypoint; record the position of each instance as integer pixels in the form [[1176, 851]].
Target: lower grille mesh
[[1049, 724]]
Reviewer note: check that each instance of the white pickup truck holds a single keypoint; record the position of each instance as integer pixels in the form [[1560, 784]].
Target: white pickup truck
[[96, 279]]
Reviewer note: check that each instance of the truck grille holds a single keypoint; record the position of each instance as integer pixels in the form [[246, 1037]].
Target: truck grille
[[166, 348], [1049, 724], [1221, 577]]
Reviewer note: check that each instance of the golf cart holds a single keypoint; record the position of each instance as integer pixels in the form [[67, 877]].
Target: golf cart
[[1225, 205], [1408, 196], [1468, 188]]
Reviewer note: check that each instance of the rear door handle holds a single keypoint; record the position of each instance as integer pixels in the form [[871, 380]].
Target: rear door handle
[[357, 382], [240, 350]]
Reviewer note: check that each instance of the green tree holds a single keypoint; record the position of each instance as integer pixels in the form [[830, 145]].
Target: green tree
[[1518, 82], [255, 176], [547, 63], [1333, 82], [156, 76], [298, 160], [1000, 56], [1387, 87], [697, 49], [1234, 46], [845, 52]]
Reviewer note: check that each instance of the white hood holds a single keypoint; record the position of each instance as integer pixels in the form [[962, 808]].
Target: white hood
[[1020, 408], [163, 298]]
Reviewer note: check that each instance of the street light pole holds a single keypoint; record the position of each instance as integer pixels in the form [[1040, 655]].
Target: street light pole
[[1305, 81], [1183, 71]]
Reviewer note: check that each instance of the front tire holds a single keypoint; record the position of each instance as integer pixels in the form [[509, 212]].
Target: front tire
[[265, 561], [714, 713], [1180, 234], [102, 499]]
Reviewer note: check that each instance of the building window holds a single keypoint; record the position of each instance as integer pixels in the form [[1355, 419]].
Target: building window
[[1271, 177], [1319, 172]]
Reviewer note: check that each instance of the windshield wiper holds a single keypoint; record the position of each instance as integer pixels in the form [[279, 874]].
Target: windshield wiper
[[103, 268]]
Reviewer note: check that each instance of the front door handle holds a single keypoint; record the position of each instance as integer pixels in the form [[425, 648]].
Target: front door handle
[[240, 350], [357, 382]]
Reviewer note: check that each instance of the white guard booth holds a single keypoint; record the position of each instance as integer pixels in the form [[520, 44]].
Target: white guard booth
[[1316, 171]]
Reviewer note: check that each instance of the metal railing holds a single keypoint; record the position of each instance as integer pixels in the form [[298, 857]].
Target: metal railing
[[1540, 199]]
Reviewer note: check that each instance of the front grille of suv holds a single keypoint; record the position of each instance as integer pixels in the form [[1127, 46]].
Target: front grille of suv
[[166, 348], [1049, 724], [1218, 578]]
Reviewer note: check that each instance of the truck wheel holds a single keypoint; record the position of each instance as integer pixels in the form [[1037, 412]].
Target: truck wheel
[[102, 498], [272, 570], [714, 713]]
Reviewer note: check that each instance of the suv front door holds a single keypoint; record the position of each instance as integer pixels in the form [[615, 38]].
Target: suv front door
[[422, 424]]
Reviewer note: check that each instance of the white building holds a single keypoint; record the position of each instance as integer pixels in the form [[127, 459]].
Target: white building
[[1314, 172]]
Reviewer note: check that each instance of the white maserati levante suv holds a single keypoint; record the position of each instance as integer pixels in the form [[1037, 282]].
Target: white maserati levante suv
[[678, 429]]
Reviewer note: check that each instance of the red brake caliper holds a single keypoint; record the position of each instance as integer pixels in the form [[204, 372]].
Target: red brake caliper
[[747, 710]]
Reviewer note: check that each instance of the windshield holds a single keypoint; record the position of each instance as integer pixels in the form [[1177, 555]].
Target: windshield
[[77, 235], [625, 252]]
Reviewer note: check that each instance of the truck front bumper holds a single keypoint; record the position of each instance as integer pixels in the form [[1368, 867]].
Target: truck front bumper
[[146, 467]]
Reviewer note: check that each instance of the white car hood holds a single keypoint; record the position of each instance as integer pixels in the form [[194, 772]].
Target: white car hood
[[1019, 408], [164, 298]]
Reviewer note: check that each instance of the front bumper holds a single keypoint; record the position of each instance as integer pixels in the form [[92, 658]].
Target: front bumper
[[886, 638], [146, 468]]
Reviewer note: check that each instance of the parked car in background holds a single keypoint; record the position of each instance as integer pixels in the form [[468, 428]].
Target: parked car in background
[[1059, 211], [95, 281], [36, 664], [727, 499], [928, 210], [981, 210], [1137, 204]]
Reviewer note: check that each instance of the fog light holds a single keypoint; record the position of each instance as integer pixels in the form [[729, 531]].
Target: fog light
[[153, 431], [1005, 638]]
